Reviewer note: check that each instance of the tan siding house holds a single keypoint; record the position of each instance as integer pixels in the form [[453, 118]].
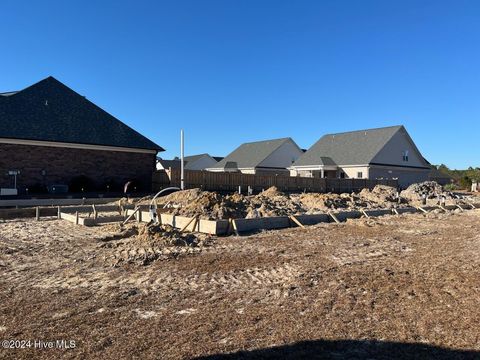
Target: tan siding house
[[260, 157], [383, 153]]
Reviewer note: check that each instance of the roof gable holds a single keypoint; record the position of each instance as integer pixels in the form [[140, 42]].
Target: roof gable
[[193, 158], [349, 148], [250, 155], [50, 111], [399, 145]]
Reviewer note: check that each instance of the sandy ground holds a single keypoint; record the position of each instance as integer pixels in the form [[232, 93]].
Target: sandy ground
[[392, 287]]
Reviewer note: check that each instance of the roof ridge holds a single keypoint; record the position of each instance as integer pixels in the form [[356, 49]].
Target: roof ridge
[[276, 148], [364, 130], [259, 141], [124, 135], [29, 86]]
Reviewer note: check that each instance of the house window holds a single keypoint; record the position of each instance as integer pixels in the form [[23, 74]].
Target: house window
[[342, 175], [359, 175], [405, 155]]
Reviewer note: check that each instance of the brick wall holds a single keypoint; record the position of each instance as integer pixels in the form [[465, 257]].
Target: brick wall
[[41, 165]]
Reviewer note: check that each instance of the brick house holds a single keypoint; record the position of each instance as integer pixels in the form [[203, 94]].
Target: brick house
[[52, 135]]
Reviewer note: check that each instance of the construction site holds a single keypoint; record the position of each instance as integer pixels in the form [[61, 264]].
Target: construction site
[[201, 274]]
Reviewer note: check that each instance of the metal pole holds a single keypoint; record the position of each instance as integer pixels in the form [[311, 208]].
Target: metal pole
[[182, 179]]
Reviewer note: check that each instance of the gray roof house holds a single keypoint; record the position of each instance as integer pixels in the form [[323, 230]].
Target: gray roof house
[[387, 153], [50, 134], [200, 162], [192, 162], [164, 164], [268, 156]]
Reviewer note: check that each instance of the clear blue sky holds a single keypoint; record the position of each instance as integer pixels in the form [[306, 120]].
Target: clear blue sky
[[234, 71]]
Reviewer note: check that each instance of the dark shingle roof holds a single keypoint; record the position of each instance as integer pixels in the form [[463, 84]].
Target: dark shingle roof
[[174, 164], [193, 158], [349, 148], [250, 155], [50, 111]]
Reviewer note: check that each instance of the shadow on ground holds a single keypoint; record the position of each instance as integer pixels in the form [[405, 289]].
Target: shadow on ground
[[350, 349]]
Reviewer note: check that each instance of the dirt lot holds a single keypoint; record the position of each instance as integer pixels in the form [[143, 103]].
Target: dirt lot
[[391, 287]]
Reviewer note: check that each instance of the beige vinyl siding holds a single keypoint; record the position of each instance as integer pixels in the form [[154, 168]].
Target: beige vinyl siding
[[352, 172], [405, 176], [392, 152]]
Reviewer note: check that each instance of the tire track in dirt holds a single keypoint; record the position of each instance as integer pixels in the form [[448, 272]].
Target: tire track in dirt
[[249, 279]]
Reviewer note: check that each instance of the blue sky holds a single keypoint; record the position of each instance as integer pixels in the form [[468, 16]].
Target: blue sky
[[235, 71]]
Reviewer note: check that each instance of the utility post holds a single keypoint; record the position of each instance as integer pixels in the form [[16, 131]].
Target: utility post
[[182, 145]]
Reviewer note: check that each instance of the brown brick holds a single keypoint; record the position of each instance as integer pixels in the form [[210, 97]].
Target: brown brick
[[62, 164]]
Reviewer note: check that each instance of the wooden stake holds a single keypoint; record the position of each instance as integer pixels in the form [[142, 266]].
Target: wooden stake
[[37, 213], [130, 216], [334, 217], [195, 223], [473, 206], [364, 213], [76, 218], [422, 209], [229, 227], [234, 224], [296, 221], [59, 213], [191, 220]]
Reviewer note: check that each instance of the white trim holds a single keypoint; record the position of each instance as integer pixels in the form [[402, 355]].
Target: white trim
[[314, 167], [74, 146], [397, 168]]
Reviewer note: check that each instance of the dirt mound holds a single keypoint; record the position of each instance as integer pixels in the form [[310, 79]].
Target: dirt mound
[[210, 205], [415, 191], [380, 195], [149, 243], [181, 197], [314, 202], [272, 202], [271, 192]]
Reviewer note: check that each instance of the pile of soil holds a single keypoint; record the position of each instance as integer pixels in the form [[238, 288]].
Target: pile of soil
[[143, 244], [315, 202], [381, 195], [415, 191], [272, 202], [209, 205]]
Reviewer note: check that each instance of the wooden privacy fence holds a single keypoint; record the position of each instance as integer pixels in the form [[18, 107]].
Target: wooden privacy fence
[[221, 181]]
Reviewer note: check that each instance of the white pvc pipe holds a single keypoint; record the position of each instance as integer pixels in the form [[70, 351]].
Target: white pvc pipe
[[153, 204], [182, 178]]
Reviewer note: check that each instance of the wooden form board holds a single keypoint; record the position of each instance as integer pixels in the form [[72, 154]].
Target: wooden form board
[[221, 227], [89, 208], [90, 221], [55, 202], [376, 213], [407, 210], [24, 213], [214, 227]]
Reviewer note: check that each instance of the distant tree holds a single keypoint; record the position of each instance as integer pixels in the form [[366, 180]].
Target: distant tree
[[465, 182]]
